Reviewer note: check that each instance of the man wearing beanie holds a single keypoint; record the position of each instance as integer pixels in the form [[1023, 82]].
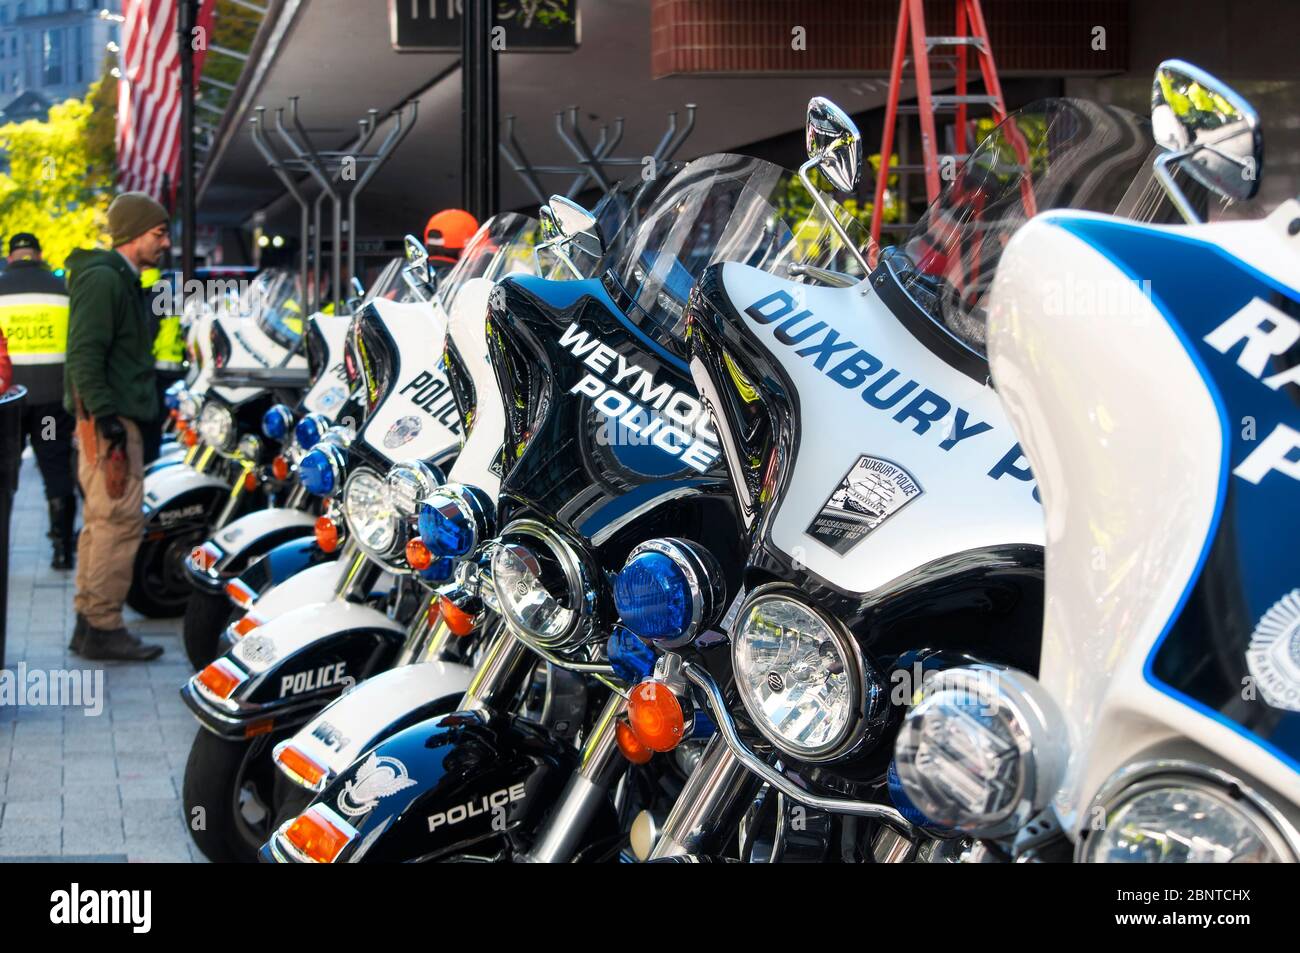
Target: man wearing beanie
[[109, 388]]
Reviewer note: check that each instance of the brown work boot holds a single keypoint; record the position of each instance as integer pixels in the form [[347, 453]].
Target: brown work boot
[[78, 635], [116, 645]]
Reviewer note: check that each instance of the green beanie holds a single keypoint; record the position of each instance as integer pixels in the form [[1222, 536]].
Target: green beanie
[[131, 215]]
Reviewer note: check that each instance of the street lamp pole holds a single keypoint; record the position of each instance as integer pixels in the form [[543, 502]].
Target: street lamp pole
[[186, 16]]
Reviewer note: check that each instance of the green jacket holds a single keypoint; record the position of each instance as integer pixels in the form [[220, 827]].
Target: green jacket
[[110, 340]]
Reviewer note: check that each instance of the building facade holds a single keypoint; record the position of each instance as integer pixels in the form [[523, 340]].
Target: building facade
[[53, 48]]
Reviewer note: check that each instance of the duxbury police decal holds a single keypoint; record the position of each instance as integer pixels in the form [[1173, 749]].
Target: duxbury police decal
[[1274, 653], [872, 491]]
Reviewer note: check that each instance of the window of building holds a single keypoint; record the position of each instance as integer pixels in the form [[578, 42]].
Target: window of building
[[51, 57]]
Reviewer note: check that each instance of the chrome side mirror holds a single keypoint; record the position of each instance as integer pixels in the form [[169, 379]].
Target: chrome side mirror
[[834, 143], [417, 272], [550, 227], [1208, 130], [574, 227], [834, 146], [571, 218]]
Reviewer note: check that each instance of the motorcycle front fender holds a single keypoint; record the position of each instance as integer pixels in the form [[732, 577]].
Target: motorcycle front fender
[[291, 667], [374, 710], [459, 783], [180, 498], [245, 540], [315, 584]]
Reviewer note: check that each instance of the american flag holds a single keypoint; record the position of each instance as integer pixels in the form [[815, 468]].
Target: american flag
[[149, 95]]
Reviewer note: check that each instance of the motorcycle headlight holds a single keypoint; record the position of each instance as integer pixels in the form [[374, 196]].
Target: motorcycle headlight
[[801, 676], [1176, 812], [409, 483], [370, 515], [983, 751], [190, 406], [217, 426], [540, 585], [455, 519]]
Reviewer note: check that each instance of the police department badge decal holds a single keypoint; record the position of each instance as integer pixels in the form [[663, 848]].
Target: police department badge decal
[[1274, 653], [871, 492], [402, 432], [377, 778]]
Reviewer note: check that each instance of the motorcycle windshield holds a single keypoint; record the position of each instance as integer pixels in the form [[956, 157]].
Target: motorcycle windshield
[[1052, 154], [390, 285], [723, 208], [504, 245], [280, 314]]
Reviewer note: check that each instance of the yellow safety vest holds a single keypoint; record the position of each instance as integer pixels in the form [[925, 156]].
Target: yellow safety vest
[[36, 327], [168, 344]]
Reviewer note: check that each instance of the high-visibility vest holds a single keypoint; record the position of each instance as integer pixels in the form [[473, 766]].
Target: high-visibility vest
[[34, 318], [168, 342]]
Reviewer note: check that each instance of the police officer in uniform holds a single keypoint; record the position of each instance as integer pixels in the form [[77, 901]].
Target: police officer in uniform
[[34, 318]]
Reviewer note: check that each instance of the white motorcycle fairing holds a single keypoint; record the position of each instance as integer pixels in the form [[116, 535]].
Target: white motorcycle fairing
[[330, 391], [1150, 387], [477, 465], [415, 418], [920, 456]]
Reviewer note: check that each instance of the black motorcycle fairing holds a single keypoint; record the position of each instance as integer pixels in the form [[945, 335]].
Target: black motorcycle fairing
[[584, 473], [465, 782]]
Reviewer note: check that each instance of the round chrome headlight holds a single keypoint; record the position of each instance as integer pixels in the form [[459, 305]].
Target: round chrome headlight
[[1179, 812], [370, 515], [801, 676], [410, 483], [217, 426], [983, 751], [540, 585]]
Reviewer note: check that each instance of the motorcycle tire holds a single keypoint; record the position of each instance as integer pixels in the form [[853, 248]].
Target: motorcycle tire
[[206, 616], [228, 795], [160, 587]]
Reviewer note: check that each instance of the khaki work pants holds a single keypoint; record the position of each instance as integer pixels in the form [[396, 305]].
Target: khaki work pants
[[111, 530]]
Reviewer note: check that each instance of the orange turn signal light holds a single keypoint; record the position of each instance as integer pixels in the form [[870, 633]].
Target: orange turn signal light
[[656, 716], [220, 679], [240, 594], [250, 481], [418, 556], [190, 438], [458, 620], [327, 534], [280, 468], [316, 837], [246, 625], [628, 743], [298, 764]]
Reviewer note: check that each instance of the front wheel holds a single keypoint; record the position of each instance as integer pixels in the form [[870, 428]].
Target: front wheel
[[206, 617], [160, 586], [229, 795]]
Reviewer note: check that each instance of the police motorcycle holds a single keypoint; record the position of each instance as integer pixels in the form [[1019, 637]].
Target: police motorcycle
[[218, 569], [1162, 726], [253, 363], [282, 668], [606, 445], [900, 539]]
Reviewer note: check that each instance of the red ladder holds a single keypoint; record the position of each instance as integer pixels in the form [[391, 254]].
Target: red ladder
[[971, 32]]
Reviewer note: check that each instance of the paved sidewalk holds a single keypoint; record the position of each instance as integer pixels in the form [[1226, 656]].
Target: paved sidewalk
[[103, 787]]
